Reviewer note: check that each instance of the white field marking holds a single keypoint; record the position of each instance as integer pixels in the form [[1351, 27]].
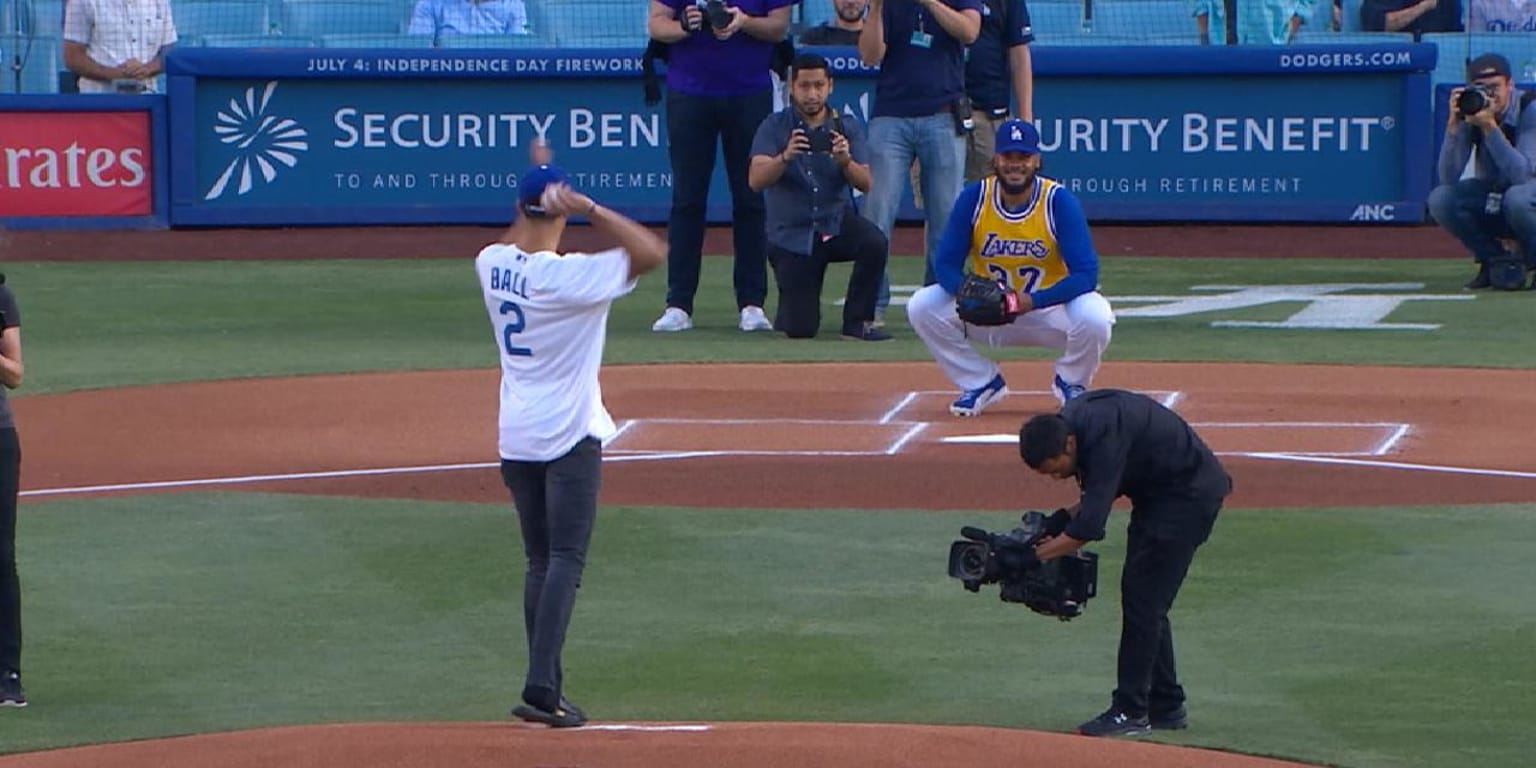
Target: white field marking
[[816, 422], [624, 427], [1386, 445], [1395, 465], [906, 437], [1170, 399], [87, 489], [891, 414], [628, 727]]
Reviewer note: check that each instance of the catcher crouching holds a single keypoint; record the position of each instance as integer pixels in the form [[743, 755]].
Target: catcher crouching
[[1015, 267]]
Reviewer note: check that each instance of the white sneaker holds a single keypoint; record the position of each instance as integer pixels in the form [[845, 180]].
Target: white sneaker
[[672, 321], [753, 319]]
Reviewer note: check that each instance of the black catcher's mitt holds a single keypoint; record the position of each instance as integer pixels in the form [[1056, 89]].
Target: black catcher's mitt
[[983, 301]]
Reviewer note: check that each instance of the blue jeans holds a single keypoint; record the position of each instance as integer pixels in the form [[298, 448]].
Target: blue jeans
[[893, 143], [1461, 208]]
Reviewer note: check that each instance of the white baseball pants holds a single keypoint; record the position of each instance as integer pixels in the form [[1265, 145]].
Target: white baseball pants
[[1079, 329]]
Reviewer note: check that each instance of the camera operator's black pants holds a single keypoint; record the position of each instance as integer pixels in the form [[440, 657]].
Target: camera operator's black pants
[[10, 583], [1157, 556], [800, 278], [694, 124], [556, 509]]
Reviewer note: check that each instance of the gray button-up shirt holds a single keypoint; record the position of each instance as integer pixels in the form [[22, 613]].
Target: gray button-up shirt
[[809, 200]]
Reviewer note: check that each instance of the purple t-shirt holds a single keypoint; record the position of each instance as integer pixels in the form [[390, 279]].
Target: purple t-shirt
[[923, 71], [702, 65]]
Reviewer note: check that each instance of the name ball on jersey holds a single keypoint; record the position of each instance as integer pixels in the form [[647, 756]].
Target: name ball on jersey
[[509, 281]]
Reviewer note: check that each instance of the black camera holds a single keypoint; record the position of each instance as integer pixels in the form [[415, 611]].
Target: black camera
[[1473, 99], [820, 138], [1059, 588], [716, 14]]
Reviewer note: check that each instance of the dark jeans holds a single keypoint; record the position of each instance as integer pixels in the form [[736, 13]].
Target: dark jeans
[[800, 277], [556, 508], [1461, 209], [10, 583], [693, 125], [1156, 560]]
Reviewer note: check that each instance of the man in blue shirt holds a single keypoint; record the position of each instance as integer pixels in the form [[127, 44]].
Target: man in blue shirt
[[469, 17], [920, 107], [1497, 201], [718, 92], [997, 67], [1027, 231], [807, 160]]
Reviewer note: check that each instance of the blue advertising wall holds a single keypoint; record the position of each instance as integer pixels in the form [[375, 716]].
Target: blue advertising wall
[[439, 136]]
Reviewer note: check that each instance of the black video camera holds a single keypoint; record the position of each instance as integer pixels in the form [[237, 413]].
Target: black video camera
[[1473, 99], [820, 138], [1059, 588]]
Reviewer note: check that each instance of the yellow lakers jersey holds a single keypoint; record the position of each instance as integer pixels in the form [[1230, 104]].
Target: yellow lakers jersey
[[1017, 247]]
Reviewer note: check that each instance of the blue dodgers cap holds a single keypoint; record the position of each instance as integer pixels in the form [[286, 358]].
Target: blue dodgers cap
[[531, 187], [1017, 136]]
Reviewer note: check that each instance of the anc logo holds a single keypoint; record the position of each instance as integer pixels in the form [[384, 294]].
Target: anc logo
[[262, 141]]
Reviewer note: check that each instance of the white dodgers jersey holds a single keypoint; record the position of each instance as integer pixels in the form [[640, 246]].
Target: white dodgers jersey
[[550, 317]]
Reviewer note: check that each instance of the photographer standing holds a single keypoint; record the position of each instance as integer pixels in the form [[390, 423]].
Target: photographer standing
[[1119, 443], [11, 693], [1493, 123], [718, 91], [807, 160]]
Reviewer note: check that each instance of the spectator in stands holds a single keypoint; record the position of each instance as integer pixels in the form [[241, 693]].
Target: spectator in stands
[[469, 17], [1257, 22], [920, 110], [117, 47], [1416, 16], [1502, 16], [718, 91], [1495, 199], [997, 68], [806, 160], [843, 29]]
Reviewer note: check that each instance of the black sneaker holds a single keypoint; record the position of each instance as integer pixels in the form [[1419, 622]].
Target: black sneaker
[[869, 332], [1115, 723], [1175, 720], [1480, 281], [11, 693], [565, 715]]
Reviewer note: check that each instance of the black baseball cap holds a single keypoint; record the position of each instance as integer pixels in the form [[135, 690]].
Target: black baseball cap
[[1487, 65]]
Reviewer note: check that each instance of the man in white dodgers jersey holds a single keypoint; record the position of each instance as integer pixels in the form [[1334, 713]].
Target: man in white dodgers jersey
[[1027, 231], [549, 312]]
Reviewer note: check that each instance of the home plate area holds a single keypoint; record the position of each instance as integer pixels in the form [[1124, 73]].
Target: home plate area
[[919, 421]]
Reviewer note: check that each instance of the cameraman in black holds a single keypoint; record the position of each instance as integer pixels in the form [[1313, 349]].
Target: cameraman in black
[[1119, 443], [1494, 124], [806, 160]]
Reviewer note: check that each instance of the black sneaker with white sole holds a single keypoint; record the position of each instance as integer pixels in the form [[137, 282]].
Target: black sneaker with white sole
[[1115, 723], [11, 693], [564, 715]]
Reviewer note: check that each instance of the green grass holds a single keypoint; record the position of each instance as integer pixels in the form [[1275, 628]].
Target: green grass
[[1360, 638], [115, 324]]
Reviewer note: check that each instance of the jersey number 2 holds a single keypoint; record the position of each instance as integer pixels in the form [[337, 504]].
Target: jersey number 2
[[515, 325]]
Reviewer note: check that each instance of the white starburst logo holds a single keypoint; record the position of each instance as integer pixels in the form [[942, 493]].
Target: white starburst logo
[[261, 141]]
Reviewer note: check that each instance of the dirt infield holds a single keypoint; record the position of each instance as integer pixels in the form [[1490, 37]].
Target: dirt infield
[[775, 436]]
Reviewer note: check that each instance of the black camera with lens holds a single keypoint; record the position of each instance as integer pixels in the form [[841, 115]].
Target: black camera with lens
[[820, 138], [716, 14], [1059, 588], [1473, 99]]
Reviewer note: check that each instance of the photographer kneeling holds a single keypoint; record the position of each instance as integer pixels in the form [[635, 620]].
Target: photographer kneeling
[[1498, 200], [807, 160], [1120, 443]]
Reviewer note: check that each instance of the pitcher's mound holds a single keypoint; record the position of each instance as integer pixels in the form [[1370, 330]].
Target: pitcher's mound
[[650, 745]]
